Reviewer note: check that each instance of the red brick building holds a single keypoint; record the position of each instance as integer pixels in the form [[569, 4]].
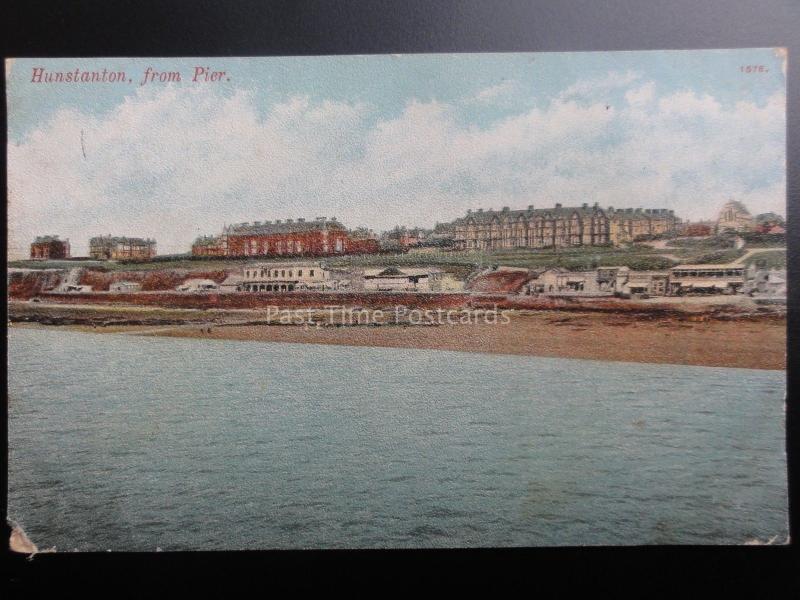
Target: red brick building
[[49, 246], [320, 237], [698, 230], [363, 246]]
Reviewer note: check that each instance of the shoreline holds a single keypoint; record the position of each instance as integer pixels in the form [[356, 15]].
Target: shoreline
[[755, 342]]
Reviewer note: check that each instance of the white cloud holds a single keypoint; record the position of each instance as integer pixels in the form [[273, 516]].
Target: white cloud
[[495, 93], [641, 95], [177, 162], [600, 85]]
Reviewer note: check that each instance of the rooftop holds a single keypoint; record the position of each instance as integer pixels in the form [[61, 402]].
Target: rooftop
[[483, 216], [107, 239], [288, 226], [708, 266]]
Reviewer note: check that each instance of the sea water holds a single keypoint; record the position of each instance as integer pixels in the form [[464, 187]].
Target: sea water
[[123, 442]]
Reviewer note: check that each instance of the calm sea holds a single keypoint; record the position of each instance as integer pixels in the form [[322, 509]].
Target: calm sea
[[132, 443]]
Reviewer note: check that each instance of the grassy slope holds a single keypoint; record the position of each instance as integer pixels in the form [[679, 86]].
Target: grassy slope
[[637, 257]]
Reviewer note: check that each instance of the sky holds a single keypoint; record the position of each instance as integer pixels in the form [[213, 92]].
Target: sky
[[383, 140]]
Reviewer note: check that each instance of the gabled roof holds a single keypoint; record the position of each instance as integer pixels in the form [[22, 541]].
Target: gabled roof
[[109, 240], [268, 228], [487, 216]]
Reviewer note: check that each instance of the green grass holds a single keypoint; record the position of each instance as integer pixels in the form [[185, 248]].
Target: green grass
[[771, 259], [460, 264], [724, 256], [711, 243], [54, 264]]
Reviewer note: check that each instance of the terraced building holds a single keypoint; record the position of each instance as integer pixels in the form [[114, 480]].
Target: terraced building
[[558, 227]]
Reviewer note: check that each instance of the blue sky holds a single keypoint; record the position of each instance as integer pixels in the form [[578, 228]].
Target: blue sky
[[380, 140]]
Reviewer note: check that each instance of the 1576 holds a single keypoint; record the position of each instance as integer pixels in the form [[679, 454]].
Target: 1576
[[753, 69]]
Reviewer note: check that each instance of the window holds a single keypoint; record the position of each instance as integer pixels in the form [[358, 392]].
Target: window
[[300, 273], [311, 273], [275, 274], [283, 273], [290, 273]]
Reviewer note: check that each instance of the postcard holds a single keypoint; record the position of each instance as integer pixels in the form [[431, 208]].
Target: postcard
[[397, 301]]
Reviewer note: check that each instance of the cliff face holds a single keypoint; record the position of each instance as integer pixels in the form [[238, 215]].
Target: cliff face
[[499, 282], [151, 280], [26, 283], [29, 283]]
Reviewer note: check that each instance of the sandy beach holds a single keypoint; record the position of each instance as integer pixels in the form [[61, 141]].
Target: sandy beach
[[755, 343]]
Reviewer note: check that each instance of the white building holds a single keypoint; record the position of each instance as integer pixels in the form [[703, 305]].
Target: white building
[[198, 285], [76, 289], [125, 286], [392, 279], [706, 279], [290, 277]]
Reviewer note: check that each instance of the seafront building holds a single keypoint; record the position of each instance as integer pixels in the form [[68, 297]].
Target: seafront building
[[393, 279], [198, 285], [120, 248], [706, 279], [559, 227], [288, 277], [47, 247], [125, 287]]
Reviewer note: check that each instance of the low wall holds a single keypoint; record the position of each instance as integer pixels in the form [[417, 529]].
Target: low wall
[[369, 300], [266, 299]]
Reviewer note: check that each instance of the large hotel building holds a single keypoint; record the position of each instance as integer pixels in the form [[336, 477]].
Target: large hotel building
[[320, 237], [559, 227]]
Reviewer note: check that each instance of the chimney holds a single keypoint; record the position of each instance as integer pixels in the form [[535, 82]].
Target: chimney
[[611, 209], [278, 221], [333, 218], [505, 209], [301, 220], [289, 221], [585, 205], [596, 205], [469, 211], [256, 223], [480, 210], [530, 207], [558, 204]]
